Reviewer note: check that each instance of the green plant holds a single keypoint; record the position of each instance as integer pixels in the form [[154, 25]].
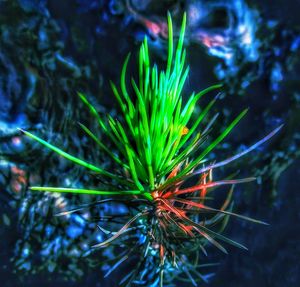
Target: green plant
[[159, 148]]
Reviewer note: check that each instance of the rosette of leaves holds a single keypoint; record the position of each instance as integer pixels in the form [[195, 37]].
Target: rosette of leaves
[[159, 148]]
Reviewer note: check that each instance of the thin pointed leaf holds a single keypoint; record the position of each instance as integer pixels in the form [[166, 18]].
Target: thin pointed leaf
[[84, 191]]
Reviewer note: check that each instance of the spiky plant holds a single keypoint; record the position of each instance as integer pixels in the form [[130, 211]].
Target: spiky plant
[[160, 147]]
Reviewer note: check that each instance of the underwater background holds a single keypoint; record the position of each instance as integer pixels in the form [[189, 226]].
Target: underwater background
[[50, 50]]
